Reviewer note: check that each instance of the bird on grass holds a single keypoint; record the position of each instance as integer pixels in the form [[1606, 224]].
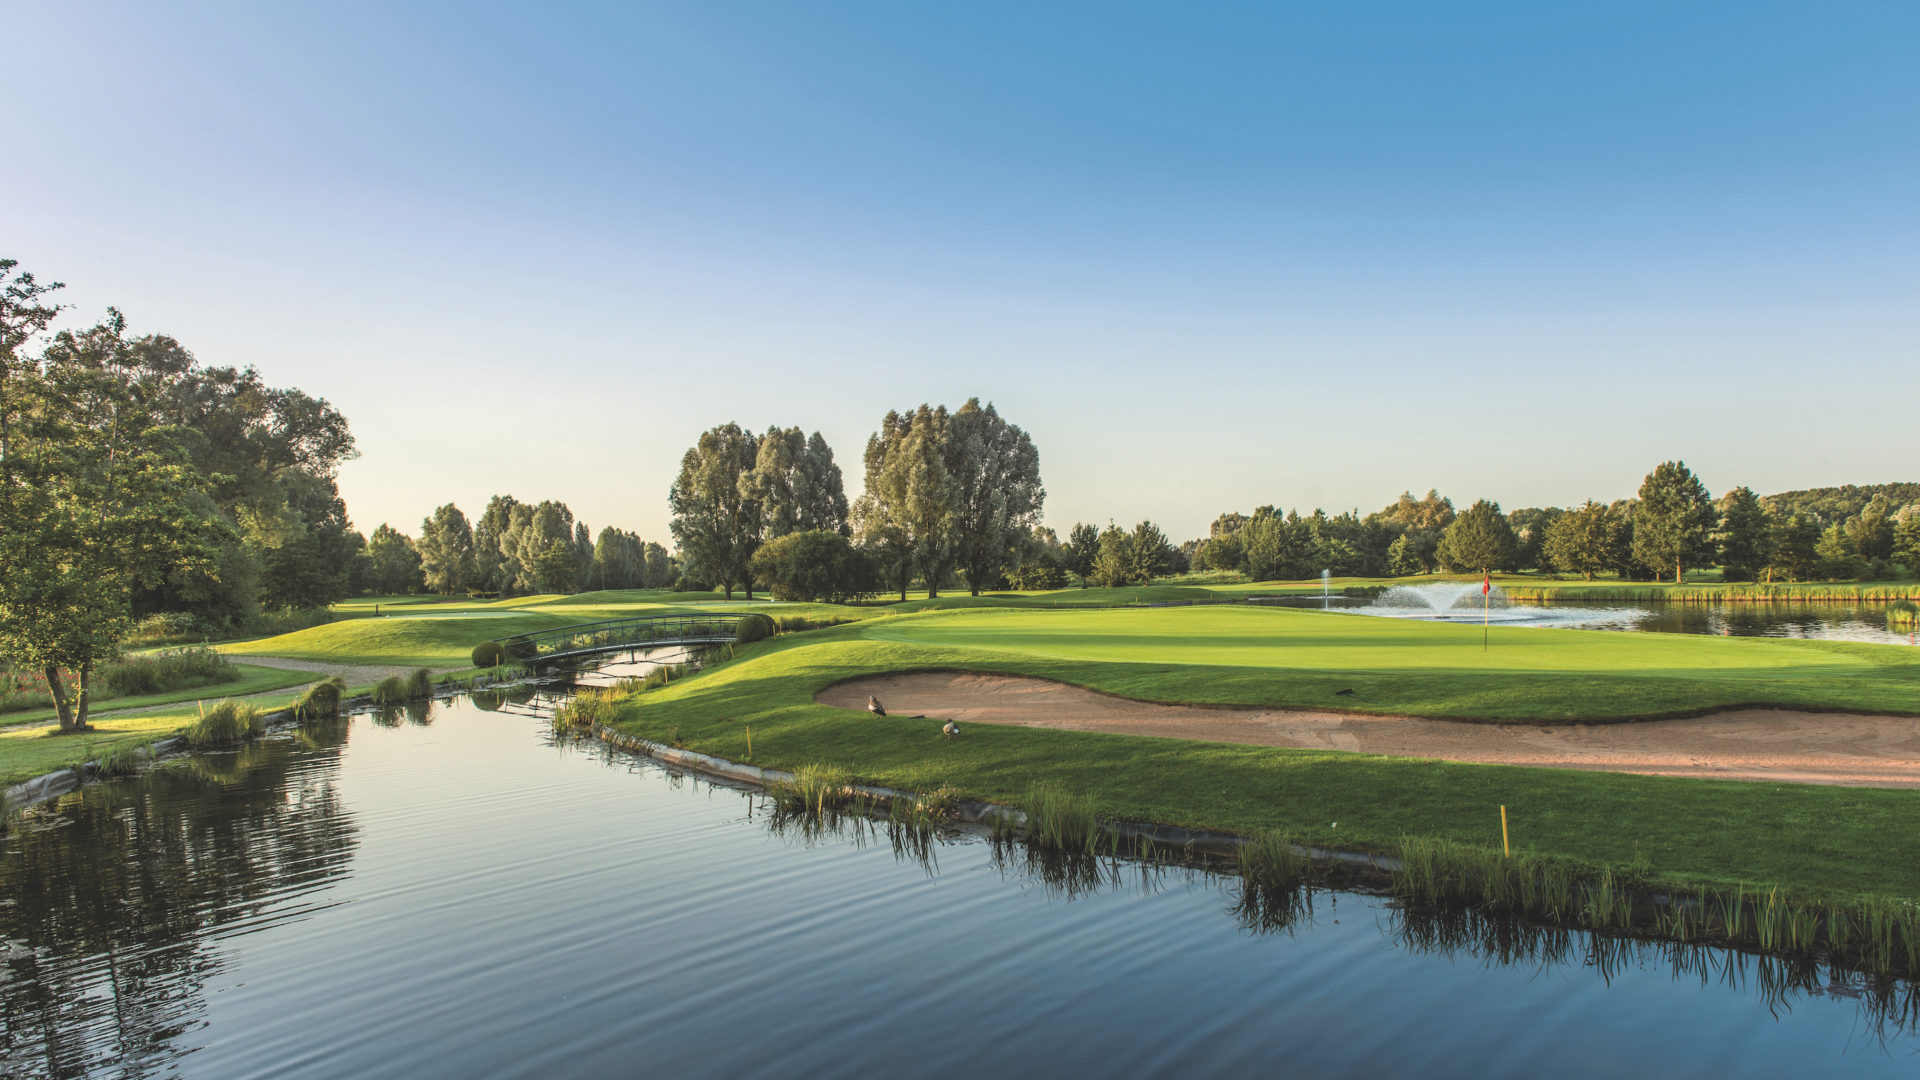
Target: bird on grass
[[874, 706], [950, 729]]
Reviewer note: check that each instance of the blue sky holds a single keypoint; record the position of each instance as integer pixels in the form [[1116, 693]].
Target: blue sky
[[1210, 257]]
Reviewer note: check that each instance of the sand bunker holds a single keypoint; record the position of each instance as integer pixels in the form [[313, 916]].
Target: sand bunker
[[1746, 744]]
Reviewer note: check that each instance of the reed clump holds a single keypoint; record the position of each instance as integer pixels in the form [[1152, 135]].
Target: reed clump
[[123, 760], [391, 690], [321, 700], [228, 723], [586, 710], [1878, 934], [1903, 615], [815, 789], [1060, 820], [420, 685]]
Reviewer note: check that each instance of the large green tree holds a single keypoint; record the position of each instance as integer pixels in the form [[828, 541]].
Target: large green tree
[[797, 484], [393, 563], [446, 551], [716, 521], [1673, 522], [1906, 538], [1081, 549], [908, 509], [1479, 539], [996, 492], [1792, 543], [98, 497], [1586, 540], [1742, 535]]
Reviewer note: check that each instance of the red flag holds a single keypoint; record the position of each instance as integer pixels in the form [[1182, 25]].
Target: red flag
[[1486, 584]]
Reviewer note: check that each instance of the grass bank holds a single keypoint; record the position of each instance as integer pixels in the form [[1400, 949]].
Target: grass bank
[[1816, 842]]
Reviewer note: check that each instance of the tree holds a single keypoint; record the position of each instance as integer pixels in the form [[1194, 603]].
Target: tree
[[1837, 557], [796, 484], [1871, 530], [819, 564], [1530, 527], [716, 523], [909, 503], [661, 567], [1479, 539], [1742, 536], [1906, 538], [1220, 552], [1043, 562], [446, 551], [995, 488], [1673, 523], [1421, 522], [97, 496], [1081, 549], [1792, 540], [619, 561], [491, 573], [394, 567], [1586, 540]]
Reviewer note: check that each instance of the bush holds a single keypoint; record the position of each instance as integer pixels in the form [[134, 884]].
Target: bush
[[228, 723], [489, 654], [420, 685], [755, 627], [162, 672]]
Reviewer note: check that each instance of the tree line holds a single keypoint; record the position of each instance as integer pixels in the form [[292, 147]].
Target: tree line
[[517, 548], [1673, 524], [950, 495]]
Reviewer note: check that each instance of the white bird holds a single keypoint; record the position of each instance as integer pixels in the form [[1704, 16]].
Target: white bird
[[951, 729], [874, 706]]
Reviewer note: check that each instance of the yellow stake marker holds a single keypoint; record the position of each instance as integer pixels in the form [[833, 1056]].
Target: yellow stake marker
[[749, 744], [1504, 845], [203, 710]]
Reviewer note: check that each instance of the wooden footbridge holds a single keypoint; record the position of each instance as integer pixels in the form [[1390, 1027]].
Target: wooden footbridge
[[619, 635]]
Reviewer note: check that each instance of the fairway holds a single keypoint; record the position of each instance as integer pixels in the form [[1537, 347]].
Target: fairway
[[1285, 657]]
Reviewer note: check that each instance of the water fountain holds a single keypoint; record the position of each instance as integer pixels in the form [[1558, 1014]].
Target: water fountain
[[1461, 601]]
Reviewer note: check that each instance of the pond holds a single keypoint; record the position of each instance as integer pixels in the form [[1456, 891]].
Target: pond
[[450, 892], [1780, 619]]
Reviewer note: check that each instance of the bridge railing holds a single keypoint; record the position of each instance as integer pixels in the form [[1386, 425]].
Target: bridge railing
[[615, 634]]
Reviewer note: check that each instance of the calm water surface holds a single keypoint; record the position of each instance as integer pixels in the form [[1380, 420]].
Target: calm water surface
[[1820, 622], [450, 893]]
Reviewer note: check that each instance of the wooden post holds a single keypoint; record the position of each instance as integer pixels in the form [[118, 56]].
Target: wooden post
[[749, 744], [1505, 845]]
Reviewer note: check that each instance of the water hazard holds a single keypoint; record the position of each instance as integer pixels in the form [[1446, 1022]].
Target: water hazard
[[448, 892], [1462, 603]]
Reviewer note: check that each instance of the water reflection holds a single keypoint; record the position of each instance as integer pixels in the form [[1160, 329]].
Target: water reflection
[[116, 901], [385, 877]]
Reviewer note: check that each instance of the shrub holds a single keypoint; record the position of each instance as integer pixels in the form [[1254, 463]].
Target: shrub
[[161, 672], [228, 723], [755, 627], [1903, 614], [489, 654]]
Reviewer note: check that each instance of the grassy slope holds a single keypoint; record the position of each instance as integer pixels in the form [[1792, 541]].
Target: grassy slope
[[1815, 840]]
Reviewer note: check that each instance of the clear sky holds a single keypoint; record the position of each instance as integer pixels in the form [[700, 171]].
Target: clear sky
[[1210, 257]]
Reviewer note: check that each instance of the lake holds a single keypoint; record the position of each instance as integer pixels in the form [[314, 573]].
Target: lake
[[450, 892]]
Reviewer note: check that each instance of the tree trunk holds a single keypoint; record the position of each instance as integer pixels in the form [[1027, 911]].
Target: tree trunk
[[729, 586], [86, 696], [1679, 573], [58, 690]]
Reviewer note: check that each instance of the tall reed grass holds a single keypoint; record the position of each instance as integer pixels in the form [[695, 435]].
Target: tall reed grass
[[227, 723], [1878, 934], [321, 700]]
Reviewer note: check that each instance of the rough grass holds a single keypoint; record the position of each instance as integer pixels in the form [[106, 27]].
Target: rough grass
[[1814, 840]]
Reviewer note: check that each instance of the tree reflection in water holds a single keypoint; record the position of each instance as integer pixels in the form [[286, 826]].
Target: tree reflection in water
[[116, 896]]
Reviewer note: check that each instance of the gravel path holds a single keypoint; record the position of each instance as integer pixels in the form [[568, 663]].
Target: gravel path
[[1743, 744]]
